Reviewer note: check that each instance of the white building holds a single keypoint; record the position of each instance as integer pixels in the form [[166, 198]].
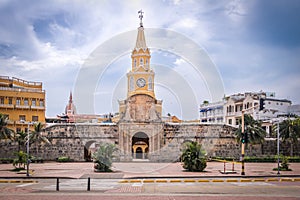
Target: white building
[[260, 105], [212, 113]]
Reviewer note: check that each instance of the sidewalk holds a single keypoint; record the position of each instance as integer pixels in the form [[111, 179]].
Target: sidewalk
[[145, 170]]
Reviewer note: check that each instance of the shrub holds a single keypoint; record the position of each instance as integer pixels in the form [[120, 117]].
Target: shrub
[[193, 157], [103, 157], [20, 161], [64, 159]]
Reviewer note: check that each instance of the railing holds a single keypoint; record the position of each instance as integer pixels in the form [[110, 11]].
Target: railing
[[6, 105], [38, 107], [22, 106], [30, 83], [23, 89]]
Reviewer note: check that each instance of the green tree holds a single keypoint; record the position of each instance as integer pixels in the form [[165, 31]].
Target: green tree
[[5, 133], [103, 157], [253, 130], [193, 157], [36, 136], [21, 137], [289, 130]]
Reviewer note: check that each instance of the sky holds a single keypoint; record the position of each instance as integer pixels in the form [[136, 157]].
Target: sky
[[228, 47]]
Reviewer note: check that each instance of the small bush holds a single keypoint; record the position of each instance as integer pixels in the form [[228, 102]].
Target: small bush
[[193, 157], [64, 159]]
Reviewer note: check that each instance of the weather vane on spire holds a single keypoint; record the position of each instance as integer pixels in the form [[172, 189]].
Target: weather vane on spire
[[141, 17]]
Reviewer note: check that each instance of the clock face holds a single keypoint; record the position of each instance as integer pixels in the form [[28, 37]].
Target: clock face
[[141, 82]]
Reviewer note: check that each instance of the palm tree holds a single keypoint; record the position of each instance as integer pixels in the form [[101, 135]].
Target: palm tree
[[103, 157], [5, 133], [193, 157], [289, 131], [21, 139], [37, 137], [255, 134]]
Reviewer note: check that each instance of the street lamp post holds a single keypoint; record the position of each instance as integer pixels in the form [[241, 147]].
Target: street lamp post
[[243, 143], [27, 148], [244, 138], [278, 171]]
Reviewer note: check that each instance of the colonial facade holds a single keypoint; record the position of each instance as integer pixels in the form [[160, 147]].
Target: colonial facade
[[22, 101]]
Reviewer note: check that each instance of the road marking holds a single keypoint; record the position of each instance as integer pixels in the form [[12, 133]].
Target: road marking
[[161, 181], [135, 181], [245, 180], [203, 181], [175, 181], [189, 180], [259, 180], [286, 179], [217, 180], [148, 181], [231, 180]]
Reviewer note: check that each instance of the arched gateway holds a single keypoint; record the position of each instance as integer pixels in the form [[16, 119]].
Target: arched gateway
[[140, 146]]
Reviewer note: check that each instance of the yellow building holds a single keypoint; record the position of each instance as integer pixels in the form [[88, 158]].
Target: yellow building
[[22, 101]]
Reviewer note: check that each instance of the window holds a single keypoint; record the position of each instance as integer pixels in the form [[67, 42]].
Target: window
[[35, 118], [230, 121], [10, 101], [42, 103], [18, 101], [134, 63], [1, 100], [33, 102], [22, 118], [18, 130], [142, 61], [25, 102]]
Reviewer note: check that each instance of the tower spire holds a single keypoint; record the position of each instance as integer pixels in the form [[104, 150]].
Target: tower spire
[[141, 41]]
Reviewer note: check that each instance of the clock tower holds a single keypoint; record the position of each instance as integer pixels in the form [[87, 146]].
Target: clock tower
[[141, 76], [141, 104]]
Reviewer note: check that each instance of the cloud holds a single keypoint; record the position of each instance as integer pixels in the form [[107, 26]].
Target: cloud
[[254, 44]]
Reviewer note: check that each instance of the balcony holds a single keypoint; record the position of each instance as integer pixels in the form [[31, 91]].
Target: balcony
[[22, 106], [38, 107], [6, 106]]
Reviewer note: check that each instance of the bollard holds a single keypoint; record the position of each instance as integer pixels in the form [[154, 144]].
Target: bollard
[[233, 166], [57, 184], [89, 184], [224, 167]]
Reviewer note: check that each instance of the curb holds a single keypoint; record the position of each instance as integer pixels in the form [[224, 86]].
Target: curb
[[18, 181], [241, 180]]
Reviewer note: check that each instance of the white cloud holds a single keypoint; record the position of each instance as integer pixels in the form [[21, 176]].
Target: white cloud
[[49, 41]]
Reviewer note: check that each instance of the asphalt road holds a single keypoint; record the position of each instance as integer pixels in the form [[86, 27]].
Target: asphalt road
[[111, 189]]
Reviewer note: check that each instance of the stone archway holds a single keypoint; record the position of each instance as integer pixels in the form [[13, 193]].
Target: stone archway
[[140, 146], [89, 149]]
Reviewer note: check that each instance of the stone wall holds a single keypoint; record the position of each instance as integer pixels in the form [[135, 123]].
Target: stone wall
[[166, 140]]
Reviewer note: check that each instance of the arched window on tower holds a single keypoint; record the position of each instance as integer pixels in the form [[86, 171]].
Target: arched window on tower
[[134, 63], [142, 62], [131, 84], [150, 84], [147, 63]]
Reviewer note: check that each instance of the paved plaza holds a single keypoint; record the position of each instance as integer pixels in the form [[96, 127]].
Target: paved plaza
[[146, 180], [146, 170]]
